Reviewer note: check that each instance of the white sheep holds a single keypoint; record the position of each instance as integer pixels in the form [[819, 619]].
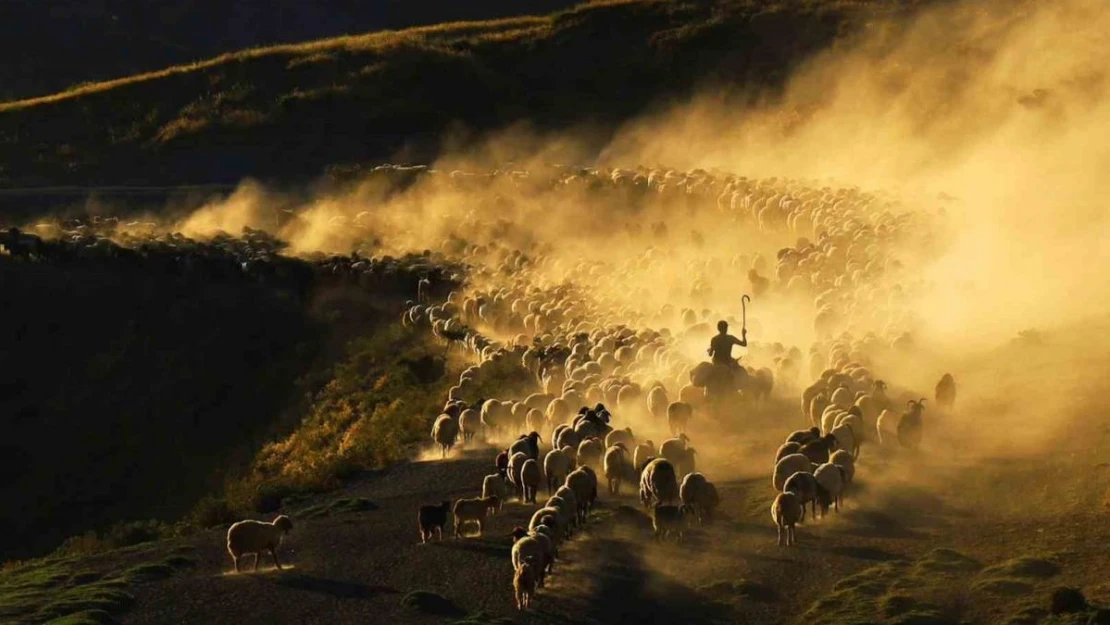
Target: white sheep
[[516, 464], [830, 482], [585, 490], [616, 467], [472, 510], [256, 537], [640, 456], [589, 453], [700, 495], [524, 583], [445, 432], [678, 416], [786, 511], [657, 401], [846, 438], [526, 547], [886, 428], [789, 466], [845, 461], [557, 464], [567, 494], [495, 486], [624, 437], [530, 480], [470, 423], [658, 482]]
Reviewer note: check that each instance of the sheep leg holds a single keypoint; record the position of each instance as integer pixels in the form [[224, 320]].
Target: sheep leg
[[235, 558], [803, 517], [256, 561], [779, 527], [277, 563], [479, 527]]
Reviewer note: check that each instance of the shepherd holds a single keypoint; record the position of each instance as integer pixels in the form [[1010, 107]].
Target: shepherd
[[720, 346]]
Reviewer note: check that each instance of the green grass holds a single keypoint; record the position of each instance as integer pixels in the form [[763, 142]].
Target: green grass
[[1024, 567], [1003, 586], [86, 617], [339, 506]]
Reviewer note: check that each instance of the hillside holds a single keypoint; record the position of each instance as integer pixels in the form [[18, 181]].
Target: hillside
[[285, 112], [40, 40]]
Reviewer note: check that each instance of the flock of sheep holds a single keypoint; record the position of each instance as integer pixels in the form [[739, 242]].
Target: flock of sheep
[[565, 344]]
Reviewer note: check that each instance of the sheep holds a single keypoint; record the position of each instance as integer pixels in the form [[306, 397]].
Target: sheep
[[946, 392], [786, 512], [830, 482], [552, 516], [530, 480], [589, 453], [909, 425], [495, 486], [658, 482], [556, 466], [585, 491], [516, 464], [256, 537], [640, 455], [534, 420], [549, 533], [678, 416], [818, 451], [527, 548], [669, 520], [620, 436], [789, 466], [657, 401], [502, 462], [845, 439], [524, 584], [804, 487], [616, 467], [567, 494], [528, 444], [885, 428], [845, 461], [804, 436], [467, 510], [470, 422], [700, 496], [787, 449], [431, 518], [444, 433]]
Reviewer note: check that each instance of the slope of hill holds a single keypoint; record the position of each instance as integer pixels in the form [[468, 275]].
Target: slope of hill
[[40, 40], [287, 111]]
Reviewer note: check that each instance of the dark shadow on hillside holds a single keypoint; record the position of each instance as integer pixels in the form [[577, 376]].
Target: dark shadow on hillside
[[339, 589]]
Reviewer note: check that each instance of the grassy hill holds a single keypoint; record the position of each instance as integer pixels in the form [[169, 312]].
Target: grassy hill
[[287, 111], [40, 41]]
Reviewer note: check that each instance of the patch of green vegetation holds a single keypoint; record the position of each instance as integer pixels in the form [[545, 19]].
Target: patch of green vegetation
[[105, 596], [1003, 586], [1028, 615], [86, 617], [149, 572], [1024, 567], [339, 506], [948, 561], [743, 589], [431, 603]]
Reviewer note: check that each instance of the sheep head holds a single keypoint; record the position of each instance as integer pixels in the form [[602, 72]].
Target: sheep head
[[284, 524]]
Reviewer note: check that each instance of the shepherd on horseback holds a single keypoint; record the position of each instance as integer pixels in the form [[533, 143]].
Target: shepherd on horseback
[[720, 346]]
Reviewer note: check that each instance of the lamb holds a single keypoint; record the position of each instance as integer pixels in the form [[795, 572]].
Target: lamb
[[830, 482], [530, 480], [845, 461], [524, 584], [789, 466], [909, 425], [467, 510], [804, 487], [432, 518], [678, 416], [444, 433], [495, 486], [470, 423], [946, 392], [525, 549], [616, 467], [669, 520], [786, 512], [556, 466], [528, 444], [658, 482], [257, 537], [700, 496]]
